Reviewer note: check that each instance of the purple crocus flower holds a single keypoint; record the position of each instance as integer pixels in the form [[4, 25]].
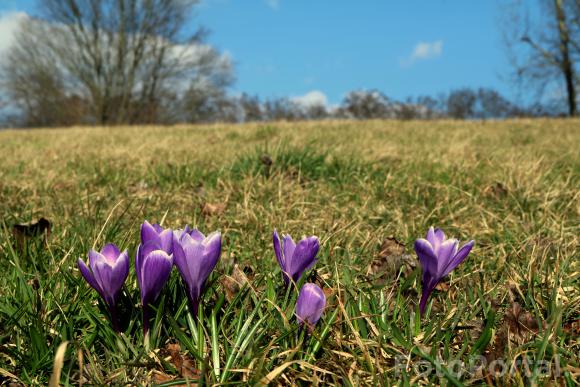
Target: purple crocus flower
[[195, 257], [153, 264], [438, 257], [107, 274], [310, 305], [295, 259]]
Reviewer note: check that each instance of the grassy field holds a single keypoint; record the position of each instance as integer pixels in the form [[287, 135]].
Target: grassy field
[[514, 303]]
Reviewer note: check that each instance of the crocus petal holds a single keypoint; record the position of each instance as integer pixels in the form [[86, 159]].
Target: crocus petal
[[289, 246], [179, 259], [191, 266], [304, 257], [157, 228], [426, 255], [166, 241], [120, 271], [148, 232], [459, 257], [447, 251], [88, 276], [196, 235], [95, 257], [211, 254], [310, 304], [431, 236], [103, 276], [155, 271], [138, 260], [439, 235], [278, 249], [111, 252]]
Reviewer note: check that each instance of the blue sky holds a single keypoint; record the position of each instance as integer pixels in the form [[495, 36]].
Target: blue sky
[[403, 48]]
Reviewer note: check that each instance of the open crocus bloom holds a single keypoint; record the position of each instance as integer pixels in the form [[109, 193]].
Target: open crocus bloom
[[195, 257], [438, 257], [310, 305], [295, 259], [107, 273]]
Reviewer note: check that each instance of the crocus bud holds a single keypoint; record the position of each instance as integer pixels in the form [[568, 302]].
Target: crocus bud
[[438, 257], [153, 265], [107, 274], [195, 257], [295, 259], [310, 305]]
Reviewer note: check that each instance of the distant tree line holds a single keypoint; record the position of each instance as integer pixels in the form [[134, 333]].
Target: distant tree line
[[463, 103], [117, 62]]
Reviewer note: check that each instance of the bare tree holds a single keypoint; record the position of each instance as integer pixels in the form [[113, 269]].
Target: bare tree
[[544, 47], [363, 104], [123, 58]]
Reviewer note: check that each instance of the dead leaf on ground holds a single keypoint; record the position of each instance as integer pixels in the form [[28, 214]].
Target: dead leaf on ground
[[266, 159], [232, 284], [497, 190], [26, 231], [209, 209], [390, 260], [160, 377], [183, 363], [517, 327], [520, 321], [442, 286]]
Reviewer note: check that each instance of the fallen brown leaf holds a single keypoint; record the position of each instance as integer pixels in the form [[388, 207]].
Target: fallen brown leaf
[[234, 283], [209, 209], [497, 190], [442, 286], [183, 363], [518, 326], [27, 231], [390, 260]]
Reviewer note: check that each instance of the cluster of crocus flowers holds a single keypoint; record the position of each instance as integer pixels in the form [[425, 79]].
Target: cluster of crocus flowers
[[294, 259], [196, 255], [438, 257], [195, 258]]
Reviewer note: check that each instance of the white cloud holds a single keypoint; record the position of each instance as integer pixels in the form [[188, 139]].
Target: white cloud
[[8, 26], [312, 98], [422, 51], [274, 4]]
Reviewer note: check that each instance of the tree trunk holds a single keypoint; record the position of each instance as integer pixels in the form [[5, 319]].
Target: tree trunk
[[567, 67]]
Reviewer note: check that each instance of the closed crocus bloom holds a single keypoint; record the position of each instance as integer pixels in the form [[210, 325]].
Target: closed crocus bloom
[[156, 235], [195, 257], [438, 257], [106, 273], [295, 259], [153, 265], [310, 305]]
